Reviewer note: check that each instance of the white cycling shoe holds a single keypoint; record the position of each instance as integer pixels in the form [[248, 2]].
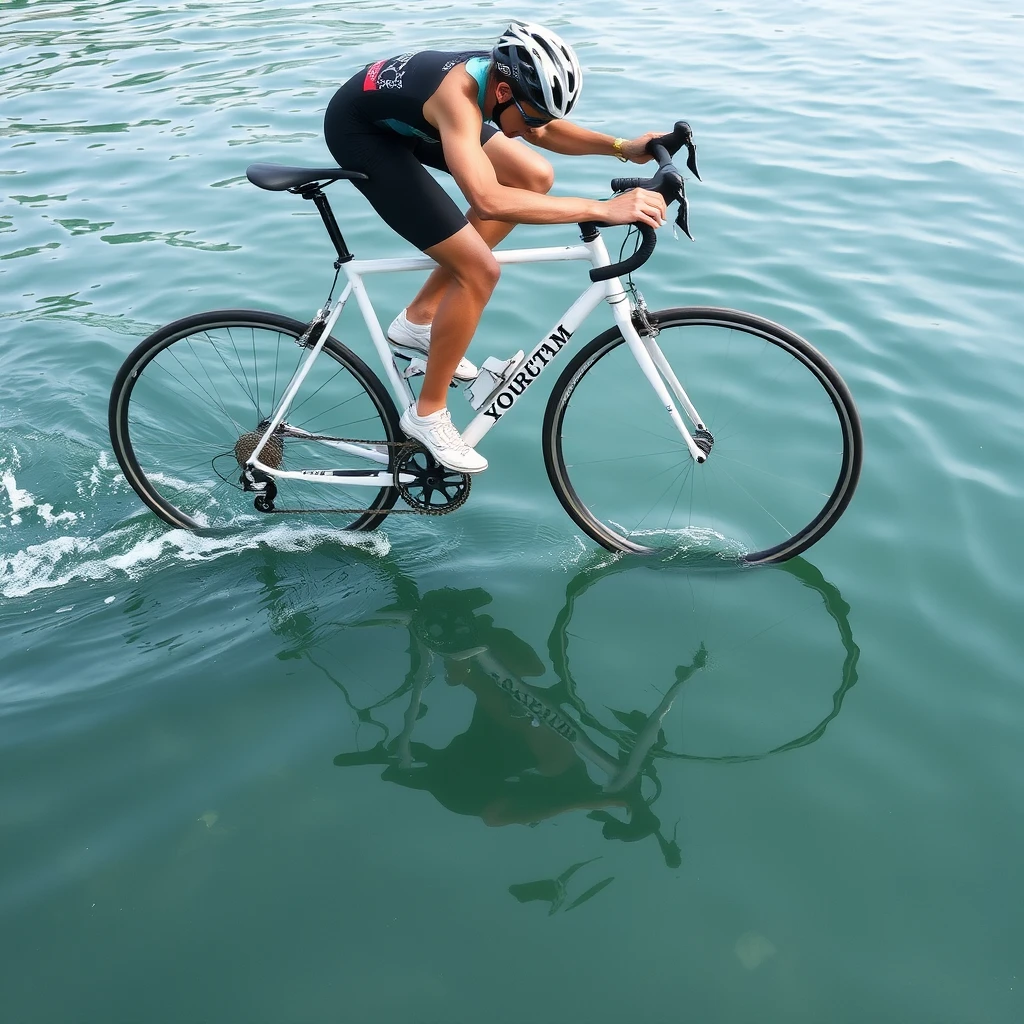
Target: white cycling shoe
[[438, 435], [415, 338]]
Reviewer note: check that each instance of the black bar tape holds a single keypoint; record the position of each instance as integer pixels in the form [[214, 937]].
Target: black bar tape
[[631, 263], [625, 184]]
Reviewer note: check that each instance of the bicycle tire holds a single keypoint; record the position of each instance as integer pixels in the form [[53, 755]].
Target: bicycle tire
[[759, 388], [192, 396]]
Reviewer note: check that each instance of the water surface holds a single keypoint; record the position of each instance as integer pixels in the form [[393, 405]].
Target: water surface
[[472, 768]]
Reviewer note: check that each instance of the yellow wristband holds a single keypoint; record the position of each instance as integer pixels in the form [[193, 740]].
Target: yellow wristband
[[617, 146]]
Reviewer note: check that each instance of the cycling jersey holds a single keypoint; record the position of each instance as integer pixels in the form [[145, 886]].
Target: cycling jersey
[[375, 124]]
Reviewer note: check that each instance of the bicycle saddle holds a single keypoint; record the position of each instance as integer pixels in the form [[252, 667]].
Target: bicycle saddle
[[278, 177]]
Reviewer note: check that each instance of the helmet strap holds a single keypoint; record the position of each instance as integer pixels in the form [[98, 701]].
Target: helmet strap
[[498, 110]]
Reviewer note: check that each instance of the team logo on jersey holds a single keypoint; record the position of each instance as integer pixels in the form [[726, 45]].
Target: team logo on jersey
[[386, 74]]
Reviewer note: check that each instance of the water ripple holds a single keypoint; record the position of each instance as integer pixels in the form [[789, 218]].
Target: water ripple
[[862, 185]]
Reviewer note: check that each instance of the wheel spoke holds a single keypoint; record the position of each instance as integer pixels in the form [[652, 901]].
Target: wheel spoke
[[190, 398], [784, 441]]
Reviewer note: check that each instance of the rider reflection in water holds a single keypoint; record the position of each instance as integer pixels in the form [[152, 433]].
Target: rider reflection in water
[[519, 761]]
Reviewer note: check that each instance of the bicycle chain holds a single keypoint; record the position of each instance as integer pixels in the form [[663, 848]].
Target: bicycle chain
[[362, 511]]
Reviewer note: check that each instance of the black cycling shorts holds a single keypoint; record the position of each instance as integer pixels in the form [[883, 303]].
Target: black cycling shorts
[[400, 188]]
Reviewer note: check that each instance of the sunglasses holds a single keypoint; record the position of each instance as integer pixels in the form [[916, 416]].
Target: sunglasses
[[529, 119]]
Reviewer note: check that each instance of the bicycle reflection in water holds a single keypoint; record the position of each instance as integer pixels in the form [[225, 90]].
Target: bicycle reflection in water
[[533, 752]]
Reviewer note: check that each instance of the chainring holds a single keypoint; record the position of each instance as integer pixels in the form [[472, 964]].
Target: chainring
[[435, 489]]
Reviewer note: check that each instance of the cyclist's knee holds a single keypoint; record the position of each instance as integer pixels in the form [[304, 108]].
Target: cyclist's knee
[[486, 273], [542, 177], [479, 275], [534, 175], [468, 258], [518, 166]]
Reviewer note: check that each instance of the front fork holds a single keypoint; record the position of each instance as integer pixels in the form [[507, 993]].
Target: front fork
[[641, 334]]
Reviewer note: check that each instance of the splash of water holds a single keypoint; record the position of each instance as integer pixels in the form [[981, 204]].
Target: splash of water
[[134, 548]]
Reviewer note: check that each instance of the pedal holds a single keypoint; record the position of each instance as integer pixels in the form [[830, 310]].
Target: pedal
[[417, 367], [494, 373]]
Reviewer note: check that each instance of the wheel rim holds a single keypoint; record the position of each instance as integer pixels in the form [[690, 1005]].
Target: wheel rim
[[194, 404], [783, 444]]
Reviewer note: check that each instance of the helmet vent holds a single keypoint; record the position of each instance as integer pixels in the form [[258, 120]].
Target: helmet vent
[[542, 65]]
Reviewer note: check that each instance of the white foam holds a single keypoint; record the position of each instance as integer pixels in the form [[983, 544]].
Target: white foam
[[45, 512], [577, 552], [22, 500], [123, 553], [19, 499], [691, 539], [132, 550], [105, 474]]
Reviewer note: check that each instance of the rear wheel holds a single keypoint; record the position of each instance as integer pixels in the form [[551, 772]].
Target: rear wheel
[[191, 402], [783, 441]]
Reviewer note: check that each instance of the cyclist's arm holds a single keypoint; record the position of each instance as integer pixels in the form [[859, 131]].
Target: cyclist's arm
[[453, 110], [570, 139], [490, 200]]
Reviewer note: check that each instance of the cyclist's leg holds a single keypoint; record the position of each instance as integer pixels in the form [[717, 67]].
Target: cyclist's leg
[[471, 274], [516, 166], [413, 203]]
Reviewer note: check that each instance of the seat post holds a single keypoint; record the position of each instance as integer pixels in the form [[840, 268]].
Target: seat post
[[315, 193]]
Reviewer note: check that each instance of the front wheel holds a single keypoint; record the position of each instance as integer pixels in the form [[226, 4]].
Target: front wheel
[[783, 441], [191, 402]]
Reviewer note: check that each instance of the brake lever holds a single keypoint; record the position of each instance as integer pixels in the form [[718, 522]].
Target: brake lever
[[691, 158], [681, 135], [683, 216]]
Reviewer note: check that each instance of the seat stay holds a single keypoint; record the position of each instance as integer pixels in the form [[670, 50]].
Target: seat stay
[[300, 375]]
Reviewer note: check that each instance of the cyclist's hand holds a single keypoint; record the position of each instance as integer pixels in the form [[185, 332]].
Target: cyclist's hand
[[635, 150], [636, 206]]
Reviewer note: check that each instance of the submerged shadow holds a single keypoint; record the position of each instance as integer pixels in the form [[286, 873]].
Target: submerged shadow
[[530, 752]]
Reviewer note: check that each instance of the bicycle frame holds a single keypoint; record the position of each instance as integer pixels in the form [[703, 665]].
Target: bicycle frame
[[644, 348]]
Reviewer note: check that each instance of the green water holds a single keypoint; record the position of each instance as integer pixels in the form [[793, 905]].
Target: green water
[[474, 769]]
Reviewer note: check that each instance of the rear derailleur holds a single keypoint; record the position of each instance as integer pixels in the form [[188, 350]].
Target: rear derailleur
[[263, 485]]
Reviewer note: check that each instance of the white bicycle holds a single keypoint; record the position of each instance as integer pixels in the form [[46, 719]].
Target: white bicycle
[[728, 430]]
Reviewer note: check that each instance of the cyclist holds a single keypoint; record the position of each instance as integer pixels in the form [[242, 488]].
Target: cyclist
[[428, 108]]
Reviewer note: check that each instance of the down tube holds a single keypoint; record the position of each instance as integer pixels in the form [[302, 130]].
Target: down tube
[[532, 365]]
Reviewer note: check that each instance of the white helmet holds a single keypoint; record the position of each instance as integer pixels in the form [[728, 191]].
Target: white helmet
[[540, 68]]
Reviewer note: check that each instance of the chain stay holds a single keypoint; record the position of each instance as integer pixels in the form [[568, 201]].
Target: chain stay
[[416, 511]]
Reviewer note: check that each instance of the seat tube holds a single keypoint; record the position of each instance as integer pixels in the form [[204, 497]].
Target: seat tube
[[399, 387]]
